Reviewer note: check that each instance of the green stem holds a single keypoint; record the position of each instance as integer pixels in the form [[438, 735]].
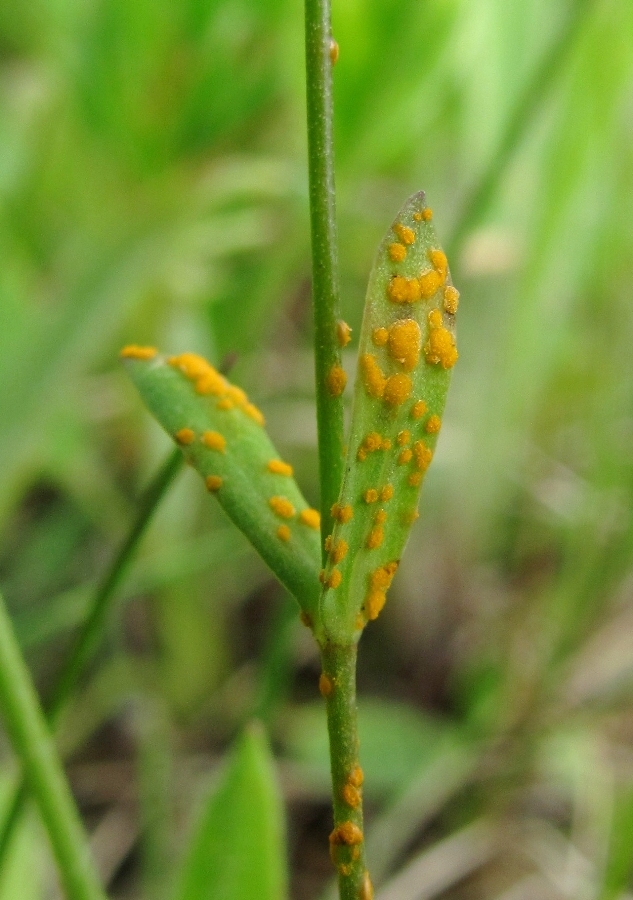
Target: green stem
[[90, 633], [32, 742], [324, 255], [347, 845], [527, 105]]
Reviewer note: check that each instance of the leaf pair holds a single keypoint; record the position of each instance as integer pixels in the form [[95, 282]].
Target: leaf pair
[[406, 353]]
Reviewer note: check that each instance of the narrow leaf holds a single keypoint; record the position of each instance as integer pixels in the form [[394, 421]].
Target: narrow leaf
[[406, 353], [222, 435], [238, 848]]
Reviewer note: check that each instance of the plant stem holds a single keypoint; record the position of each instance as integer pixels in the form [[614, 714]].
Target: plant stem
[[31, 740], [90, 632], [324, 255], [347, 846], [527, 105]]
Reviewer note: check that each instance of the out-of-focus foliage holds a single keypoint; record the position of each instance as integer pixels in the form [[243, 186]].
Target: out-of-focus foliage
[[153, 189]]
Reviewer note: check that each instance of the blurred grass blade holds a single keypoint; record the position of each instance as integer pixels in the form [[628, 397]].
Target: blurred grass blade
[[32, 742], [406, 353], [222, 436], [92, 627], [528, 103], [238, 847]]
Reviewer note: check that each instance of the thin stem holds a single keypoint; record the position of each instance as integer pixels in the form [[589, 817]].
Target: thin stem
[[330, 380], [527, 105], [347, 844], [90, 633], [32, 742]]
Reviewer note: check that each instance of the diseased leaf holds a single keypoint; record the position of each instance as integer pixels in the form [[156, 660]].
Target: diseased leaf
[[406, 353], [238, 847], [222, 435]]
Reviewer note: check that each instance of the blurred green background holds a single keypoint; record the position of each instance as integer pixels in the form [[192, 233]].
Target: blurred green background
[[153, 189]]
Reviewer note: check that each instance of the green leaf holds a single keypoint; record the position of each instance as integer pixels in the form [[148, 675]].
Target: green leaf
[[406, 353], [222, 435], [238, 849]]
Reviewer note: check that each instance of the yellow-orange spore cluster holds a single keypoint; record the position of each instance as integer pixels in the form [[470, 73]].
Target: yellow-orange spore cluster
[[375, 537], [213, 440], [346, 833], [410, 290], [371, 443], [209, 382], [185, 436], [440, 348], [405, 456], [334, 579], [336, 381], [433, 425], [403, 438], [397, 389], [379, 583], [311, 518], [380, 336], [343, 333], [373, 378], [213, 483], [418, 409], [370, 495], [397, 252], [283, 533], [326, 685], [414, 479], [278, 467], [342, 514], [423, 455], [339, 551], [405, 339], [406, 234], [386, 493], [282, 507], [351, 795], [133, 351], [451, 299]]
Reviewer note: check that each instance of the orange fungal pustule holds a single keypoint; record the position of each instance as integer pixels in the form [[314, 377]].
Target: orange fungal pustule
[[339, 551], [397, 389], [278, 467], [343, 333], [405, 339], [375, 537], [406, 234], [370, 495], [405, 456], [311, 518], [440, 348], [213, 483], [282, 507], [397, 252], [336, 381], [342, 514], [451, 299], [334, 51], [326, 685], [403, 438], [433, 425], [418, 409], [185, 436], [373, 378], [346, 833], [403, 290], [213, 440], [133, 351], [283, 533], [423, 455], [254, 413], [351, 795], [380, 336], [386, 493], [334, 579]]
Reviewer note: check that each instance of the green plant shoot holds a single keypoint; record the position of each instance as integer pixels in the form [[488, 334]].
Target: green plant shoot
[[221, 434], [406, 353]]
